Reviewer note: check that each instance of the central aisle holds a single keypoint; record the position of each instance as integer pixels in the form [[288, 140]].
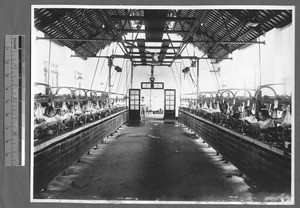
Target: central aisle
[[152, 160]]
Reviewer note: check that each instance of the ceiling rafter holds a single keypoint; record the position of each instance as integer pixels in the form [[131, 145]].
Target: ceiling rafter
[[110, 22], [115, 31], [191, 32], [63, 22], [78, 23], [52, 27], [255, 29], [215, 32], [206, 14], [92, 36], [213, 40], [227, 22], [128, 18]]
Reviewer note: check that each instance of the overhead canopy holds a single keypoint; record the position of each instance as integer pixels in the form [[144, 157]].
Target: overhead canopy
[[152, 41]]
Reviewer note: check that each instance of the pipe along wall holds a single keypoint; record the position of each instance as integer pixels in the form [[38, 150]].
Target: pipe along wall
[[53, 157]]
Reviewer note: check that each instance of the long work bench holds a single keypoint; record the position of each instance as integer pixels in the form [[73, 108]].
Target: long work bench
[[52, 157], [263, 163]]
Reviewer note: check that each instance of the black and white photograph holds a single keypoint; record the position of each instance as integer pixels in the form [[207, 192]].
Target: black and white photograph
[[162, 104]]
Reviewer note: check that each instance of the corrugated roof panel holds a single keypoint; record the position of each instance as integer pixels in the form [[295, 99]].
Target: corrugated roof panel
[[61, 23]]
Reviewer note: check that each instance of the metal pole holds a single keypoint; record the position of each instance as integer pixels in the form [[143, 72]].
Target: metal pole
[[180, 84], [49, 64], [152, 71], [126, 84], [259, 58], [109, 80], [131, 78], [197, 76]]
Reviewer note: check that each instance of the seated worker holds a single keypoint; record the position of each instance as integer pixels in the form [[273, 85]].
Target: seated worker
[[287, 118], [235, 113], [248, 116], [50, 114], [264, 120]]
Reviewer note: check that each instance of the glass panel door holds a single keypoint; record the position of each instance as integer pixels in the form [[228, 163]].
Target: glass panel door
[[170, 99], [134, 104]]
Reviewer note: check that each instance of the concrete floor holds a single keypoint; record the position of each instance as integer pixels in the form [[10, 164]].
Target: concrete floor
[[156, 161]]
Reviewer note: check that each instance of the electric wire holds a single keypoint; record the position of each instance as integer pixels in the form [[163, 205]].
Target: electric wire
[[191, 68], [193, 81], [128, 76], [188, 80], [126, 79], [213, 78], [107, 81], [99, 78], [216, 77], [49, 62], [120, 77], [178, 74], [115, 78], [174, 77], [120, 80]]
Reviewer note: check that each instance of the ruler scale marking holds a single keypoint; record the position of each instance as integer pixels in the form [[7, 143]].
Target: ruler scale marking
[[14, 126]]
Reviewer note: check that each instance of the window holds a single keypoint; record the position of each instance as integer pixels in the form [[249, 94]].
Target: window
[[53, 79], [134, 96], [78, 79], [170, 99], [152, 85]]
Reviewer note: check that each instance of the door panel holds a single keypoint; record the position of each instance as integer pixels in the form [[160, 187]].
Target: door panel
[[170, 103], [134, 104]]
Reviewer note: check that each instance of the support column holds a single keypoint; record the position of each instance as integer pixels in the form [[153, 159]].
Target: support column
[[110, 63], [197, 77], [152, 71], [131, 76], [49, 63]]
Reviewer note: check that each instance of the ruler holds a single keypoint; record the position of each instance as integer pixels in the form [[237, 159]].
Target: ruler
[[14, 100]]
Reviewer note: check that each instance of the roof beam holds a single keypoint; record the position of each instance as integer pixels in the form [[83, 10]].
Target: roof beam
[[229, 32], [153, 47], [150, 64], [59, 32], [190, 33], [122, 43], [227, 22], [78, 23], [141, 46], [72, 35], [154, 53], [211, 39], [101, 32], [138, 57], [174, 41], [167, 57], [47, 21], [154, 31], [82, 23], [186, 19], [257, 29]]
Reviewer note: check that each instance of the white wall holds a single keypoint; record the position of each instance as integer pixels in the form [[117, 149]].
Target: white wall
[[276, 63]]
